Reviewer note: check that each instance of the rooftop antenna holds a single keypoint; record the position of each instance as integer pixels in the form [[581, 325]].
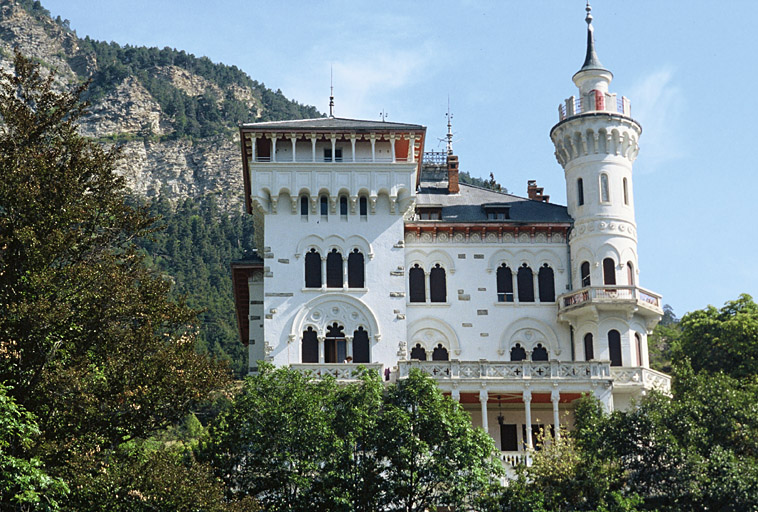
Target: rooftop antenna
[[449, 136], [383, 114], [331, 88]]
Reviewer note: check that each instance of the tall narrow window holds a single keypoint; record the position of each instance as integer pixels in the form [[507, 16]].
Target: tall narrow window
[[304, 207], [585, 270], [343, 207], [580, 192], [605, 195], [310, 346], [525, 280], [589, 348], [324, 206], [546, 279], [440, 353], [361, 351], [313, 269], [638, 347], [518, 353], [626, 193], [416, 285], [539, 353], [609, 271], [504, 284], [418, 352], [335, 346], [437, 284], [630, 273], [355, 270], [334, 271], [614, 347], [363, 206]]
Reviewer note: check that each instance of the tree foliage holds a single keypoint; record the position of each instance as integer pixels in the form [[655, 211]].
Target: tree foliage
[[300, 444], [89, 337], [721, 340]]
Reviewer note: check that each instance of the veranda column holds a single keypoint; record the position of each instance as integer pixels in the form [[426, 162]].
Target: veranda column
[[555, 397], [313, 147], [253, 144], [373, 147], [293, 139], [334, 147], [321, 349], [273, 137], [528, 418], [392, 146], [456, 395], [483, 397], [352, 143]]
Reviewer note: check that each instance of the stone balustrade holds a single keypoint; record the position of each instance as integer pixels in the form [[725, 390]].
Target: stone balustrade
[[611, 295], [645, 377], [340, 371], [509, 370]]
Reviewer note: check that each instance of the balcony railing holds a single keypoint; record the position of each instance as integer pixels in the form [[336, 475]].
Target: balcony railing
[[609, 295], [509, 370], [649, 379], [575, 106], [285, 159], [339, 371]]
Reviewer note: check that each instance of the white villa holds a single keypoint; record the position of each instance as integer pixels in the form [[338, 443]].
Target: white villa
[[372, 253]]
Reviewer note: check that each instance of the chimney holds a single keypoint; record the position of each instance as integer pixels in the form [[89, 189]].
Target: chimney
[[452, 174], [535, 193]]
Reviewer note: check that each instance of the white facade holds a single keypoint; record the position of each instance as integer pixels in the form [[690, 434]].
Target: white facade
[[344, 186]]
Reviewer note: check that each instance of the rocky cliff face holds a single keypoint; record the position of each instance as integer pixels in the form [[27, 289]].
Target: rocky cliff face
[[156, 160]]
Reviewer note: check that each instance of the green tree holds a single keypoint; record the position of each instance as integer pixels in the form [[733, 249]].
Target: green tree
[[302, 444], [23, 480], [723, 339], [89, 336]]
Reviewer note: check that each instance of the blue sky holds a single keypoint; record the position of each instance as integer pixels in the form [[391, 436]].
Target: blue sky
[[688, 67]]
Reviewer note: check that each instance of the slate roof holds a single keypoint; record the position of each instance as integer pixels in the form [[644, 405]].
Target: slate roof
[[332, 123], [468, 205]]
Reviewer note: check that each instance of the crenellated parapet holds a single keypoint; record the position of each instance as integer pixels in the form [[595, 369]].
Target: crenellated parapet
[[596, 133]]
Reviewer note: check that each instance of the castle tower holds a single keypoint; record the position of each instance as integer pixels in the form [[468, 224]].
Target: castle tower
[[596, 144]]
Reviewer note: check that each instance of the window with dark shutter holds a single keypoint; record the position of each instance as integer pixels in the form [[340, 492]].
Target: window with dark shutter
[[334, 272], [525, 280], [355, 270], [609, 271], [437, 284], [585, 270], [614, 347], [546, 279], [361, 350], [310, 346], [589, 348], [417, 290], [313, 269], [504, 284]]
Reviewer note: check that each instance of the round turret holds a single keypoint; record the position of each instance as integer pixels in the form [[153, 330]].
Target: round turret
[[596, 143]]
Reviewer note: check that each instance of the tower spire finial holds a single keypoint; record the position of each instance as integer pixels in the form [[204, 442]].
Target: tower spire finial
[[331, 91], [591, 61]]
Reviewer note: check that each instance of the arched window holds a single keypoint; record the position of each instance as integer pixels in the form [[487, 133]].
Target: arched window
[[605, 196], [504, 284], [440, 353], [518, 353], [580, 192], [630, 272], [585, 270], [313, 269], [638, 347], [437, 284], [609, 271], [546, 279], [416, 284], [334, 272], [355, 271], [324, 206], [304, 207], [310, 346], [589, 347], [525, 284], [363, 206], [539, 353], [361, 351], [626, 193], [614, 347], [418, 352], [343, 207], [335, 346]]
